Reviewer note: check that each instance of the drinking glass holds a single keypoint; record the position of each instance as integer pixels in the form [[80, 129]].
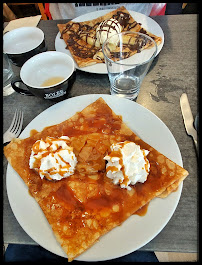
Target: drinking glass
[[7, 76], [128, 56]]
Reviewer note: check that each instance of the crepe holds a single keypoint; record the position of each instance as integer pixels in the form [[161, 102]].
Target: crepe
[[80, 37], [85, 206]]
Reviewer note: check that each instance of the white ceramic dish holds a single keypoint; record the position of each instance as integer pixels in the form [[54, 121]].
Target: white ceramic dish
[[22, 40], [100, 68], [136, 231], [46, 65]]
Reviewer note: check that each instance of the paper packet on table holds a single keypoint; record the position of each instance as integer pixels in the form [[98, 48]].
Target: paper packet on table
[[22, 22]]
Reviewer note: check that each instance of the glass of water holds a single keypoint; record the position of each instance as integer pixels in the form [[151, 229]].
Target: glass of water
[[7, 75], [128, 56]]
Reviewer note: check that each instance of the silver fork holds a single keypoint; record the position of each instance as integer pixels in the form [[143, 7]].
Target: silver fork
[[15, 127]]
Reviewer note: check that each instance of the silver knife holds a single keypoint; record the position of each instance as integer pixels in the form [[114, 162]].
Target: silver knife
[[188, 118]]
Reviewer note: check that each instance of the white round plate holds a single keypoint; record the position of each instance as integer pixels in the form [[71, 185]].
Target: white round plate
[[136, 231], [100, 68]]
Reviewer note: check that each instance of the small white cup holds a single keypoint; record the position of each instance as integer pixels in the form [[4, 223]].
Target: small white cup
[[22, 43], [48, 75]]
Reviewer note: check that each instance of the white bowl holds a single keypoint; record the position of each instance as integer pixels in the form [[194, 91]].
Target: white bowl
[[22, 40]]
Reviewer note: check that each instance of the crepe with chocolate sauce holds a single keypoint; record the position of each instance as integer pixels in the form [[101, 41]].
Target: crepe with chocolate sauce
[[80, 37]]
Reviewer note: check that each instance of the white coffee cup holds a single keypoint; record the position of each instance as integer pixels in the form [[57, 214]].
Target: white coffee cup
[[22, 43], [48, 75]]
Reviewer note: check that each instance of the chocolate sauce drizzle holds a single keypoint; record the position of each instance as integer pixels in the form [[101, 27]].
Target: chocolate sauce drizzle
[[84, 30], [122, 18], [75, 39]]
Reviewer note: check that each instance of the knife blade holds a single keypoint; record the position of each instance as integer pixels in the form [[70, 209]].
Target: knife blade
[[188, 118]]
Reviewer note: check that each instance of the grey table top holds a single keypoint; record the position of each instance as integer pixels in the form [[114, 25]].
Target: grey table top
[[173, 72]]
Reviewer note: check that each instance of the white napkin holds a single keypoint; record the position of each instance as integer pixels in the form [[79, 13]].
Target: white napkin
[[22, 22]]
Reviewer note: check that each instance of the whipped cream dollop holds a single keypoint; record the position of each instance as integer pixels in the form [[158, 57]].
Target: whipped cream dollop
[[127, 164], [106, 29], [53, 158]]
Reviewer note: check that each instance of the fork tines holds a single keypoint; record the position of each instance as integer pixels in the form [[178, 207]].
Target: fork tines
[[16, 124]]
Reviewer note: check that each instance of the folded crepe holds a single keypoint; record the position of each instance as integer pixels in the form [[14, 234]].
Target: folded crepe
[[80, 37]]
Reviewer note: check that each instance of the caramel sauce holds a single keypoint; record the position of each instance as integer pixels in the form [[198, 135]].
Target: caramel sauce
[[33, 132], [98, 203], [65, 194], [35, 147], [111, 168], [143, 210]]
